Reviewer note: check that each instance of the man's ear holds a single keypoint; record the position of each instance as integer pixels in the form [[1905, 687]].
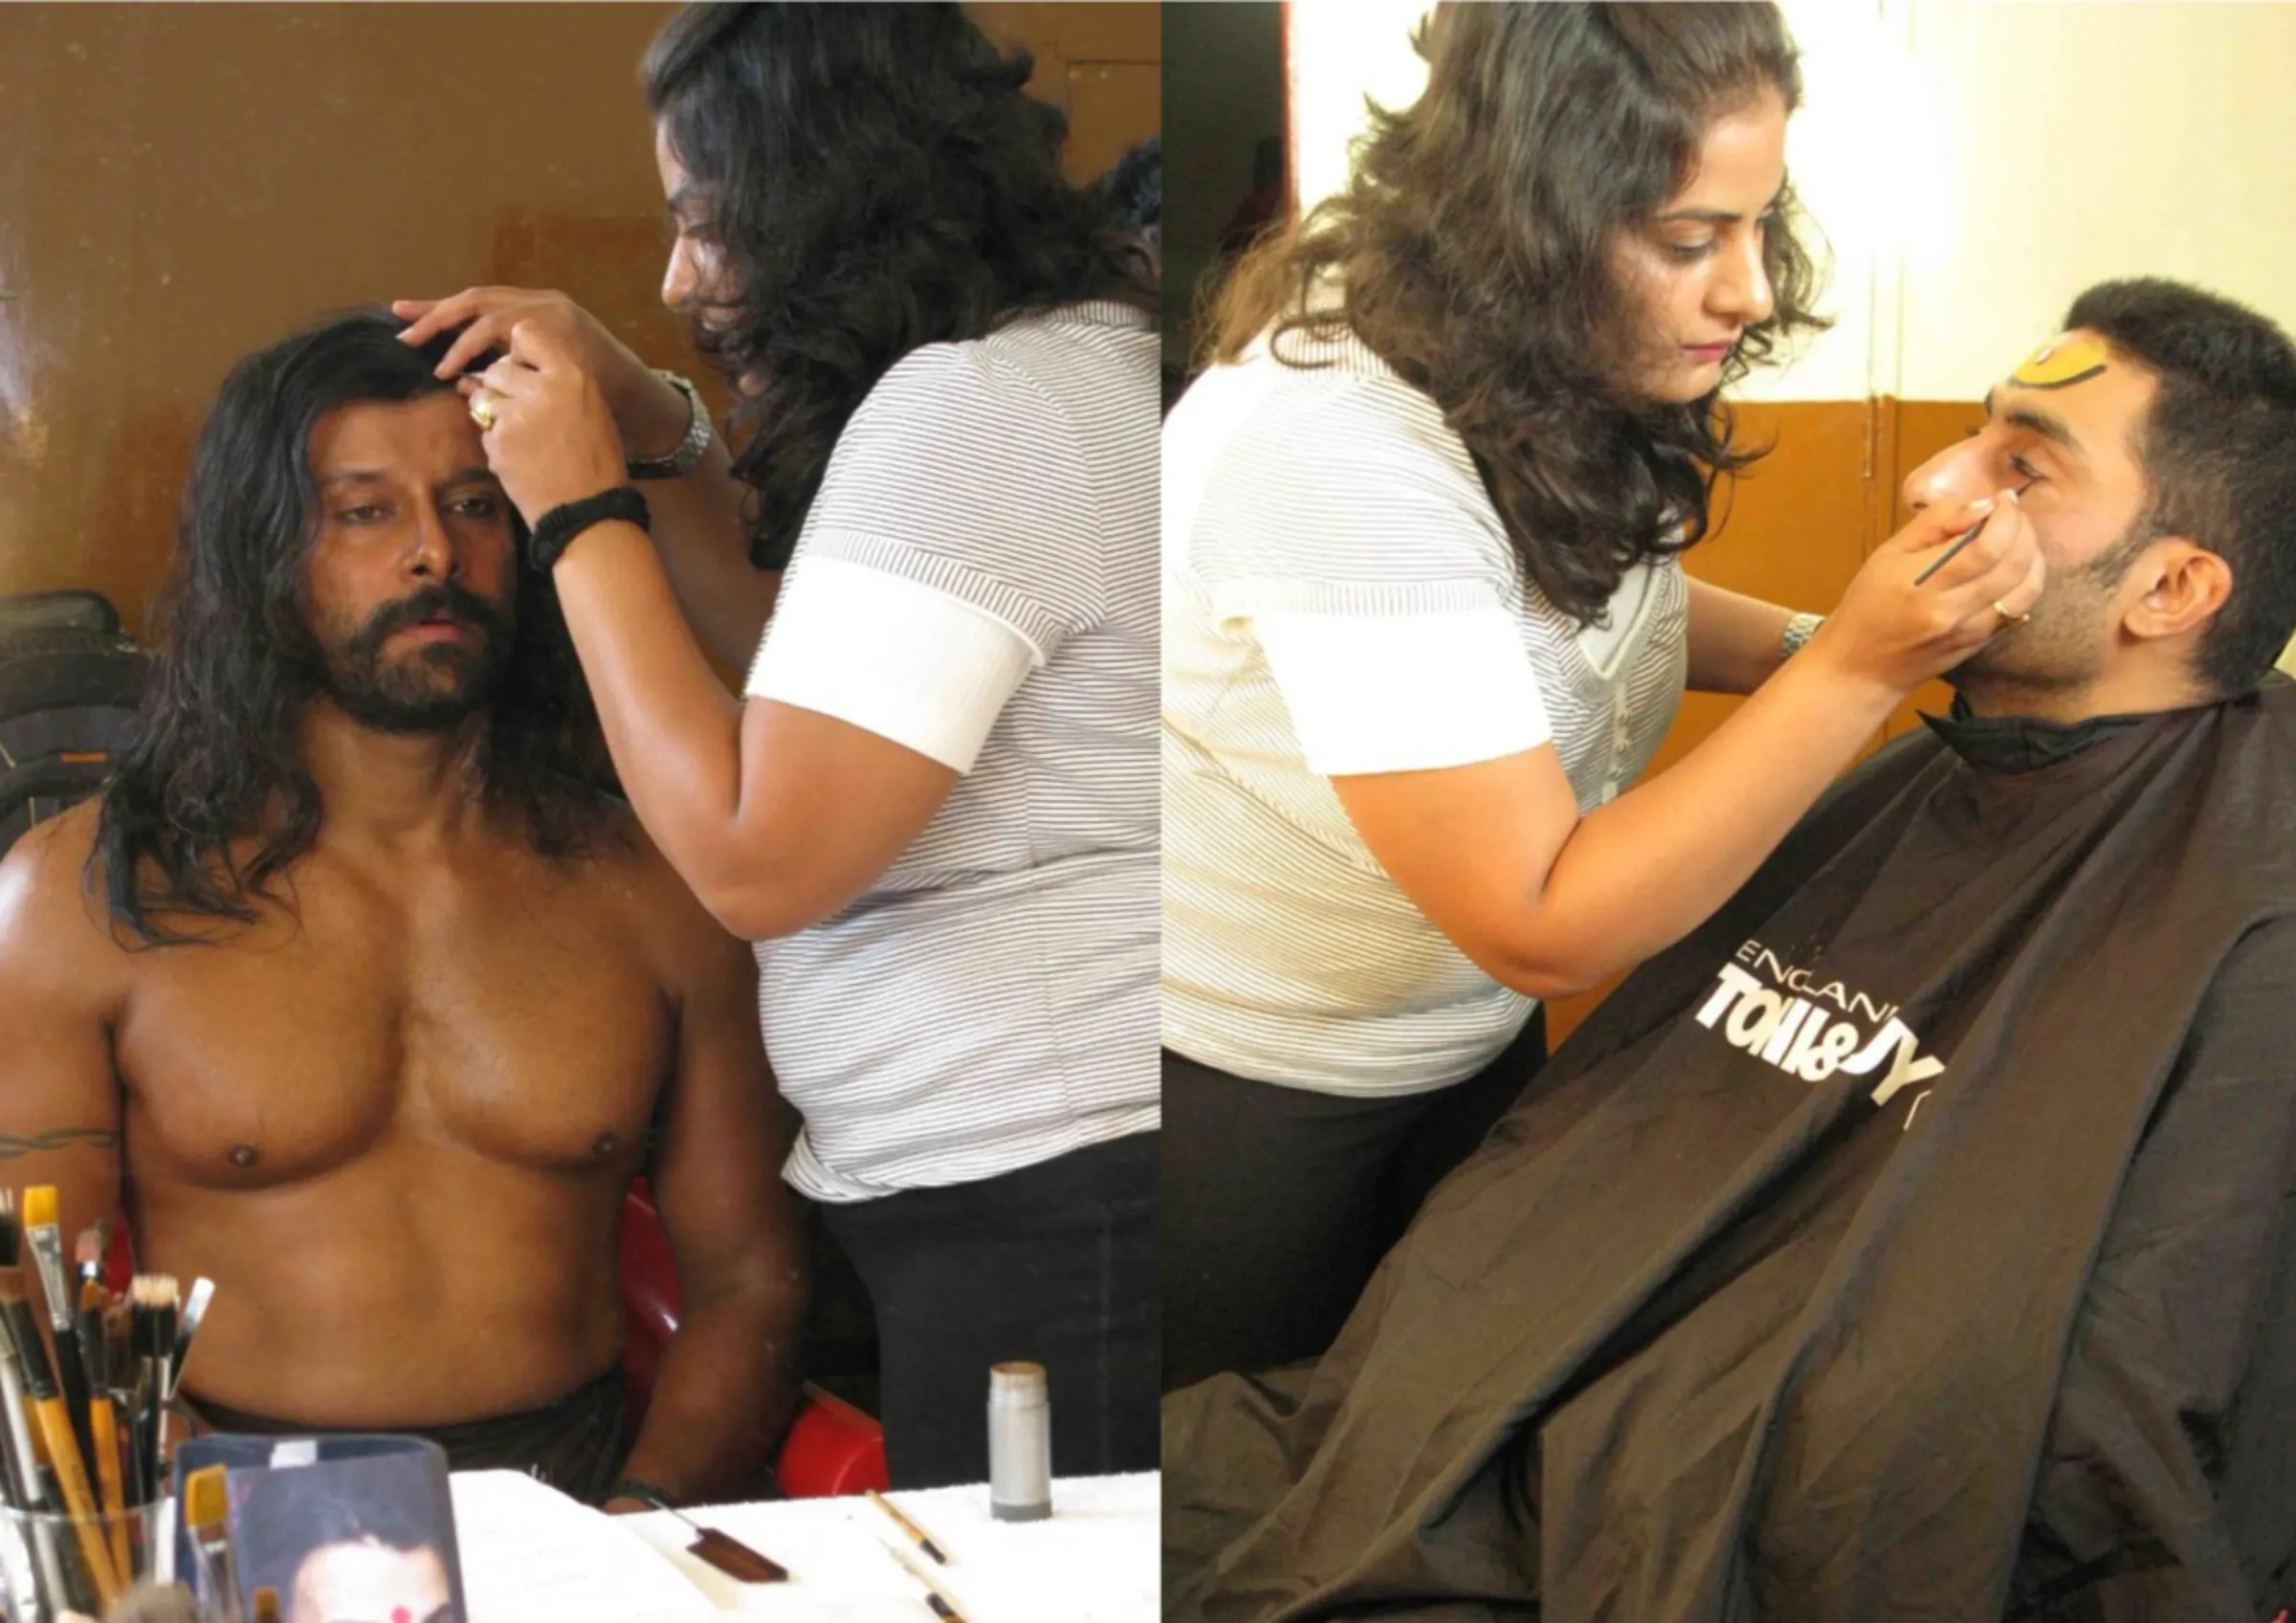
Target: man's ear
[[2175, 587]]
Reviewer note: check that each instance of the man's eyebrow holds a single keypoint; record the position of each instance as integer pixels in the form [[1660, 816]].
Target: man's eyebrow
[[2034, 420], [2050, 426], [354, 476], [684, 198]]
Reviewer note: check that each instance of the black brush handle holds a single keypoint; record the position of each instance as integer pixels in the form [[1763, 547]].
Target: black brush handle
[[95, 1360], [1960, 544], [73, 1380], [153, 1402], [138, 1475]]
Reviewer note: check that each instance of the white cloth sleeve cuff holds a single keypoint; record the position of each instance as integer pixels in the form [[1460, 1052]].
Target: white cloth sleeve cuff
[[1404, 693], [893, 657]]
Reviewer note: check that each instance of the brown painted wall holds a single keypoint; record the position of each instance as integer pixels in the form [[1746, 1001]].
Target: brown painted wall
[[180, 185], [1795, 531]]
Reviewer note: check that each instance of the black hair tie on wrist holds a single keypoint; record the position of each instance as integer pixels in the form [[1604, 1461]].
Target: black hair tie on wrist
[[555, 530]]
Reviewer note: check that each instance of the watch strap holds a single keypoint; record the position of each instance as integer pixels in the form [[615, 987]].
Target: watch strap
[[688, 454], [555, 530], [1799, 630]]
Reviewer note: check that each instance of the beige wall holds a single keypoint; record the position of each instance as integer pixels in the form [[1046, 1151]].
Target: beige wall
[[1970, 166]]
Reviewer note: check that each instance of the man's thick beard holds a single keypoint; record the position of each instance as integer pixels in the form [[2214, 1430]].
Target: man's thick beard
[[393, 698], [406, 696]]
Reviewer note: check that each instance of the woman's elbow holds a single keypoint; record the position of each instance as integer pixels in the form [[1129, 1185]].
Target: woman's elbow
[[1540, 969], [1545, 983], [757, 908], [743, 911]]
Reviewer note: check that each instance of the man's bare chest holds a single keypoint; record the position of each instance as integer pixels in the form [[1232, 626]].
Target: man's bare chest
[[525, 1029]]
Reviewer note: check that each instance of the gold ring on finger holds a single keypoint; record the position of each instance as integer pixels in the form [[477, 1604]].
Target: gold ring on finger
[[2009, 621], [482, 413]]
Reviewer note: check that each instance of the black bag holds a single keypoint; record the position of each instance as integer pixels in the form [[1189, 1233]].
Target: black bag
[[69, 683]]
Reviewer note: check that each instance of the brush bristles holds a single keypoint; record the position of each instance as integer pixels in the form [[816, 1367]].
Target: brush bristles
[[205, 1503], [87, 1251], [39, 1206], [156, 1297]]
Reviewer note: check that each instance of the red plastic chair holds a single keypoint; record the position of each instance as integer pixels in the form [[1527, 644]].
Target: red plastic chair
[[831, 1451]]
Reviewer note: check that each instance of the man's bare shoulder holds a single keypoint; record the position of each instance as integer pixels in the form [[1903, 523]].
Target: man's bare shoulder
[[53, 930], [689, 946]]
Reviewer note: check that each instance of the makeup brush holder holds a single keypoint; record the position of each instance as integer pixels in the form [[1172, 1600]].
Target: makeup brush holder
[[56, 1567]]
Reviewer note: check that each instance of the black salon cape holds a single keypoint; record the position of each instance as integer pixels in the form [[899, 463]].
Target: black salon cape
[[1704, 1331]]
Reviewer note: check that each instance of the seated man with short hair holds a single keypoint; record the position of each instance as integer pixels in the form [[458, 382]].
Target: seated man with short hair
[[1911, 1242], [355, 993]]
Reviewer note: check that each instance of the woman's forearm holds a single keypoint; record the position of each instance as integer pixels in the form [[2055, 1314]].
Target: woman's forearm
[[1636, 875], [673, 730], [699, 534], [1736, 641]]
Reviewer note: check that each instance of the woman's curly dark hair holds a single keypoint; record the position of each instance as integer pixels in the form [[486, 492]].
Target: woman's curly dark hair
[[211, 801], [1473, 252], [876, 178]]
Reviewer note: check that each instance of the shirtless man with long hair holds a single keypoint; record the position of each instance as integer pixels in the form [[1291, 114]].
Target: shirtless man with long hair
[[357, 993]]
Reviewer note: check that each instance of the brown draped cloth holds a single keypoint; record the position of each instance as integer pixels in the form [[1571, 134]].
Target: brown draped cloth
[[1908, 1244]]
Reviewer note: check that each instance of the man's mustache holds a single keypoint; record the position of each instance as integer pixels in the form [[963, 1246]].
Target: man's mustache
[[451, 602]]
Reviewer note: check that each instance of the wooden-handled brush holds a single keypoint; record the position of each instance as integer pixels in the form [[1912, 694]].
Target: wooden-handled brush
[[45, 1235], [56, 1431], [26, 1479], [206, 1506], [103, 1417]]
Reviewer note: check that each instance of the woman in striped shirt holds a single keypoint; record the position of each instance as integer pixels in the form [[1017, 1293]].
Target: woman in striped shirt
[[1423, 624], [936, 811]]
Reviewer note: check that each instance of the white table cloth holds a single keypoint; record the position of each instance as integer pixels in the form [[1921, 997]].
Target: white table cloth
[[529, 1554]]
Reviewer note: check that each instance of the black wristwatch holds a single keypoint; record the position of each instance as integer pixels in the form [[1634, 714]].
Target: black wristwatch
[[555, 530]]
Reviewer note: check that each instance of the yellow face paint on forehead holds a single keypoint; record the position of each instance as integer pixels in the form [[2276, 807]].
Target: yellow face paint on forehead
[[2062, 361]]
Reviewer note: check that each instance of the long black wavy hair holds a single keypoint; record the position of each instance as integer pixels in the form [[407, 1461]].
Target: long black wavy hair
[[1473, 253], [211, 800], [876, 178]]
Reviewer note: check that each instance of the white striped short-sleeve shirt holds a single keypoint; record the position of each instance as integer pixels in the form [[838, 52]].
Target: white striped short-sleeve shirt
[[975, 580], [1340, 597]]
